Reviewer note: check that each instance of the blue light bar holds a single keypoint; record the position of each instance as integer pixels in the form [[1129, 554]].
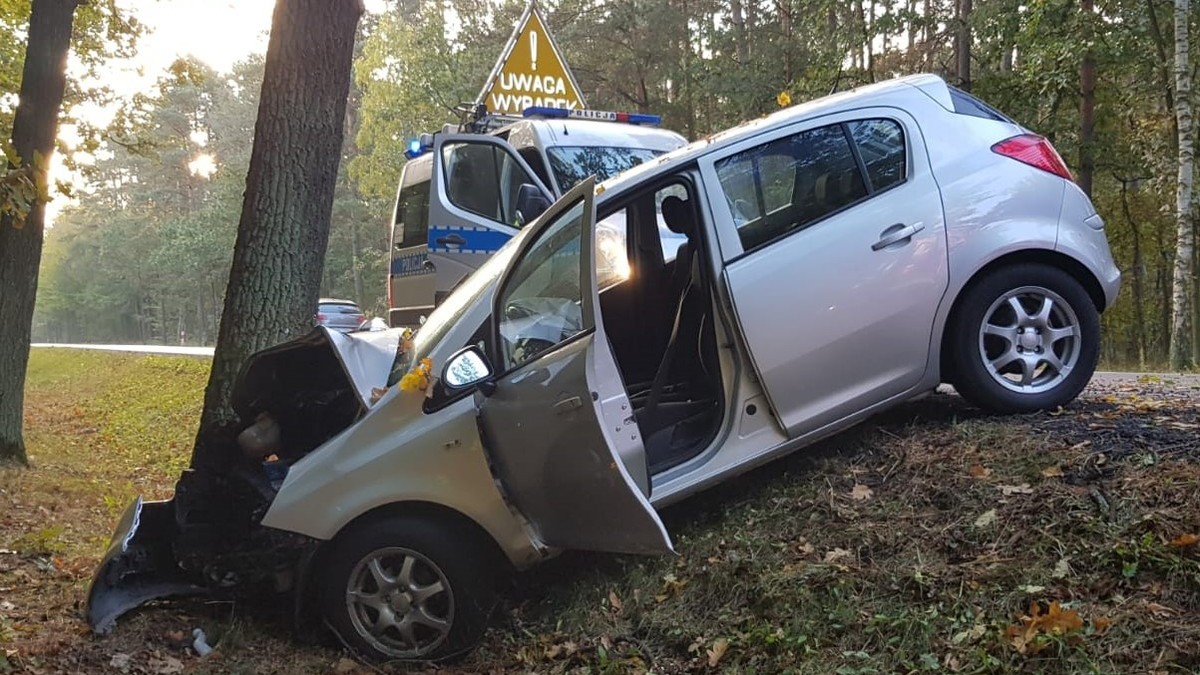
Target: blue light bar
[[595, 115], [418, 146]]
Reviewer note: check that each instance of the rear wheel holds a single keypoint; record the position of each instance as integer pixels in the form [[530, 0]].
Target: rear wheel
[[1024, 338], [408, 588]]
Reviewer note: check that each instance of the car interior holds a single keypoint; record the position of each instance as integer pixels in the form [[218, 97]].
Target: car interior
[[659, 322]]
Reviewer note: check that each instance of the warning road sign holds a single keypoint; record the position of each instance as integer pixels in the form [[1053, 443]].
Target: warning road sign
[[531, 72]]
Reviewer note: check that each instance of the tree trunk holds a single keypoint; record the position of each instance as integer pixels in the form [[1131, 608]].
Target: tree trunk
[[1087, 102], [1181, 286], [35, 126], [1139, 271], [275, 278], [739, 32], [962, 47]]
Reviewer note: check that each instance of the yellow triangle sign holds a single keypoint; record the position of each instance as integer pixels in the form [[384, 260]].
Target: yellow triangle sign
[[531, 72]]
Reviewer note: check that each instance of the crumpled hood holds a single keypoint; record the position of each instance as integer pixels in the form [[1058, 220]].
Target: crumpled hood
[[364, 359]]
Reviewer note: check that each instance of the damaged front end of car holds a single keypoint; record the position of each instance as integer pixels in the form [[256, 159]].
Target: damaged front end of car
[[289, 401]]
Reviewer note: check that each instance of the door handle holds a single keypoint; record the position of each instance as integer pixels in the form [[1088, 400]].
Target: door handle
[[896, 234], [450, 240], [566, 405]]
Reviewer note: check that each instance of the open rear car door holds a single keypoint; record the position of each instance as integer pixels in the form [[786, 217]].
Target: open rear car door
[[556, 419]]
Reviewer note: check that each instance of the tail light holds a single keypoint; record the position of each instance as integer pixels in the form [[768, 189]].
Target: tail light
[[320, 318], [1035, 151], [360, 318]]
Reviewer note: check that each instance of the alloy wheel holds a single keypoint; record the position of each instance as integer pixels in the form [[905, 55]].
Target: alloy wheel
[[400, 602], [1030, 340]]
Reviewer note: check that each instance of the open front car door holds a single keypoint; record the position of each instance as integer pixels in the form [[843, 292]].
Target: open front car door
[[556, 419]]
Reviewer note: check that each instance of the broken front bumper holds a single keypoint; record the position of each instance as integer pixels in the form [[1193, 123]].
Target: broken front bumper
[[138, 567]]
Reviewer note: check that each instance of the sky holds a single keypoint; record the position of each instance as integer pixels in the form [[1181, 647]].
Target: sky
[[217, 32]]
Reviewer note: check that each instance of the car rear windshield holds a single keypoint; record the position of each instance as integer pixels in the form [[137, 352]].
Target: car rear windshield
[[339, 308], [966, 104], [572, 164]]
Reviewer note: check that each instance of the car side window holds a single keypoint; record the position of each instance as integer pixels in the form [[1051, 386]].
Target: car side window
[[880, 143], [789, 183], [541, 303], [484, 179]]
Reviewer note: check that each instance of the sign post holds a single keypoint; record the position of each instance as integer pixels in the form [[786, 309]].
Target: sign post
[[531, 72]]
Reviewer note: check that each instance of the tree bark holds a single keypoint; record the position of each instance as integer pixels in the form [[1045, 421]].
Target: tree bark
[[962, 47], [1139, 271], [738, 17], [1181, 286], [275, 277], [35, 126], [1087, 102]]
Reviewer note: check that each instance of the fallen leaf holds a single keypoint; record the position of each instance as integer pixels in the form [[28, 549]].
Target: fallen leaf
[[120, 662], [836, 555], [615, 600], [167, 665], [1062, 568], [1160, 610], [1052, 471], [804, 548], [1184, 540], [1101, 624], [971, 634], [345, 665], [988, 518], [979, 471], [860, 492], [1022, 489], [717, 651]]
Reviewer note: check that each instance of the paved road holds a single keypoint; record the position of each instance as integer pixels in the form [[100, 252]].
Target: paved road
[[137, 349], [1178, 379]]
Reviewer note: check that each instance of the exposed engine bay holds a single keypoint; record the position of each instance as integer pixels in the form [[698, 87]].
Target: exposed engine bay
[[289, 400]]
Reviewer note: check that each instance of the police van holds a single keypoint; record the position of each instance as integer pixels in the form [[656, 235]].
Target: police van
[[465, 191]]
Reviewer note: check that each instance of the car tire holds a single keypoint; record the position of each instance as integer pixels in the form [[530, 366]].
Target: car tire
[[428, 598], [1023, 338]]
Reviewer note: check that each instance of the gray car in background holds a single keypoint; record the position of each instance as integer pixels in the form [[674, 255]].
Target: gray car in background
[[839, 257], [342, 315]]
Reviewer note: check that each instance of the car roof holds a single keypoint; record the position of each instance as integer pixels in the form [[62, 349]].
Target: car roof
[[335, 301], [593, 133], [872, 94]]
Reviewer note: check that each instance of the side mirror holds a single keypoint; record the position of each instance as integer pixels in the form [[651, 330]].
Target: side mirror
[[530, 202], [466, 368]]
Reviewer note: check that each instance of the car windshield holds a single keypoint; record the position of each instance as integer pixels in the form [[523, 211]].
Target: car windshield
[[572, 164], [447, 314]]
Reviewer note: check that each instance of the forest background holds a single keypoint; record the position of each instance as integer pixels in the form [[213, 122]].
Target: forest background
[[142, 250]]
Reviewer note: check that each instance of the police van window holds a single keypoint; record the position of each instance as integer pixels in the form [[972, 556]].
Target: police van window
[[412, 215], [534, 159], [572, 164], [484, 179], [792, 182]]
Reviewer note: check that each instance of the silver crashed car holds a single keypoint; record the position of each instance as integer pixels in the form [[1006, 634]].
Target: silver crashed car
[[841, 256]]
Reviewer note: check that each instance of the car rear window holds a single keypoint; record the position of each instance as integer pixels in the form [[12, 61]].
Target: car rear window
[[880, 143], [966, 104], [339, 308]]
